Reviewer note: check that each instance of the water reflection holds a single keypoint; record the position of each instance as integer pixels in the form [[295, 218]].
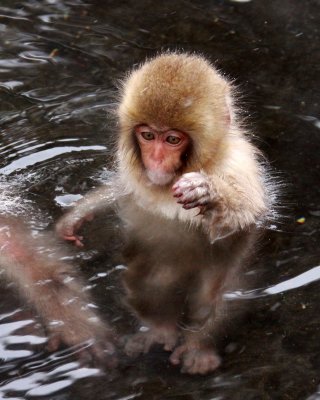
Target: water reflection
[[47, 383], [303, 279], [7, 337], [60, 61]]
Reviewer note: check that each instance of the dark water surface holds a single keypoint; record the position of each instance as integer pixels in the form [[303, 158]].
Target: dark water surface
[[59, 63]]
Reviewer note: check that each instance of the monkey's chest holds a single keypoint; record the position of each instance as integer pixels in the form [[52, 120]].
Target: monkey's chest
[[164, 267], [164, 259]]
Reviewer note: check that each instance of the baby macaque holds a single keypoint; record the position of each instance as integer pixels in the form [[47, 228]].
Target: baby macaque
[[54, 289], [191, 193]]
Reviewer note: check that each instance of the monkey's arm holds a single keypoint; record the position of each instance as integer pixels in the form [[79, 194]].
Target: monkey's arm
[[54, 289], [231, 197], [84, 210]]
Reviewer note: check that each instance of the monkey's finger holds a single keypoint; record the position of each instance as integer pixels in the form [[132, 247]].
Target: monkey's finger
[[187, 191], [177, 194], [78, 241], [195, 365], [192, 192], [194, 204], [175, 357], [199, 193], [206, 361], [183, 185], [189, 206], [189, 360], [74, 238]]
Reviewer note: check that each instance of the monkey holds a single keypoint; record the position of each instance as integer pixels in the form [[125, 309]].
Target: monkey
[[193, 195], [53, 287]]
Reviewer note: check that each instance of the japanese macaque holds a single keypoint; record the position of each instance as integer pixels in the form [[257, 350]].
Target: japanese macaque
[[54, 289], [191, 193]]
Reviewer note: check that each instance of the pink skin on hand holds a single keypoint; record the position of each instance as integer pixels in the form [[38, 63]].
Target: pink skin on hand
[[192, 190], [69, 232]]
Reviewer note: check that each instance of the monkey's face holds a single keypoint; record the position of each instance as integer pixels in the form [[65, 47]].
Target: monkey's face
[[162, 152]]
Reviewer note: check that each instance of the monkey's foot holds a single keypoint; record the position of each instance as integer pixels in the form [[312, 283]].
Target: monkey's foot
[[195, 360], [142, 342]]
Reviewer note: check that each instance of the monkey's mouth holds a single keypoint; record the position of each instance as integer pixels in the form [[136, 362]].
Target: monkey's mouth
[[160, 178]]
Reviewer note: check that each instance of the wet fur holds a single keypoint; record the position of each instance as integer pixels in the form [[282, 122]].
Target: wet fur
[[181, 262]]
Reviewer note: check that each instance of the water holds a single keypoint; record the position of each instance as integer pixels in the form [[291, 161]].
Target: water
[[59, 66]]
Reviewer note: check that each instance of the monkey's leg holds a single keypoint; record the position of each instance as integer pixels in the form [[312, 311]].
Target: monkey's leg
[[154, 294], [197, 352]]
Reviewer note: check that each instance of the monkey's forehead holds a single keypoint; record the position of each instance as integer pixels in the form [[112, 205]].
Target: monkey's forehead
[[177, 73], [168, 88]]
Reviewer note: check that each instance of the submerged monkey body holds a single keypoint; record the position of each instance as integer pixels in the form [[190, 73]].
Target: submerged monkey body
[[53, 287], [192, 195], [167, 265]]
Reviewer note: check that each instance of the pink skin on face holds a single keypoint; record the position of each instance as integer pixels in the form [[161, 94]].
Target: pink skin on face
[[161, 152]]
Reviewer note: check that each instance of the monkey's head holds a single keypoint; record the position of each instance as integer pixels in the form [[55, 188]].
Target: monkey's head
[[173, 114]]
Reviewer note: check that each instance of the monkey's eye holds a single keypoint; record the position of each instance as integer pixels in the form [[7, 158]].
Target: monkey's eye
[[173, 139], [147, 135]]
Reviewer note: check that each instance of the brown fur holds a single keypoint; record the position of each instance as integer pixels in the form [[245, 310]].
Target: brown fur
[[180, 262], [157, 93], [54, 289], [194, 103]]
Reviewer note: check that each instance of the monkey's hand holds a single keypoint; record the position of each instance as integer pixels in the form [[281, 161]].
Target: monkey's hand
[[68, 226], [193, 190]]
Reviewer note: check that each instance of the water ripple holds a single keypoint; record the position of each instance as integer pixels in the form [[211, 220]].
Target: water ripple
[[298, 281], [44, 155]]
